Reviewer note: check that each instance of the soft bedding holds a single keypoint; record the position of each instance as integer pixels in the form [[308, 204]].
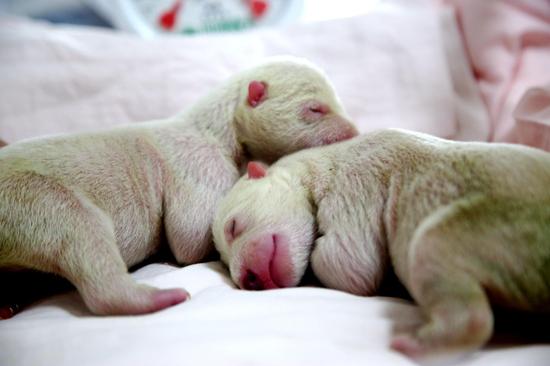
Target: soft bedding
[[392, 68], [508, 44], [225, 326]]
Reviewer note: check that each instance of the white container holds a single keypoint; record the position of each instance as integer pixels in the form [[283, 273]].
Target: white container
[[151, 17]]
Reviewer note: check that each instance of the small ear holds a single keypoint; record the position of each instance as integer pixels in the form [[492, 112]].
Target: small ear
[[257, 92], [256, 170]]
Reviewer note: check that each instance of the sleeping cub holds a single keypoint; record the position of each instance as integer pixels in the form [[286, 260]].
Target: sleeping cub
[[88, 206], [464, 225]]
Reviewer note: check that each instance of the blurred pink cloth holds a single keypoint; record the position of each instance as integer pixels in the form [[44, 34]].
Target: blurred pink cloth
[[400, 67], [508, 42], [533, 118]]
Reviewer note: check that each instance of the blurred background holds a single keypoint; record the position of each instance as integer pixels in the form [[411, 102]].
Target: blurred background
[[460, 69], [153, 17]]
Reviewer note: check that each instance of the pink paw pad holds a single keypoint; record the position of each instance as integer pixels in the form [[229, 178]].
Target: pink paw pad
[[406, 345], [166, 298]]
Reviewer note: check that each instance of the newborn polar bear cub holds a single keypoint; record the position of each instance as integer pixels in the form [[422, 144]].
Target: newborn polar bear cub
[[88, 206], [464, 224]]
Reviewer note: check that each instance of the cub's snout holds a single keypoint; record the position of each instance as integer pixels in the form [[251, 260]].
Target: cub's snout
[[264, 229], [266, 263]]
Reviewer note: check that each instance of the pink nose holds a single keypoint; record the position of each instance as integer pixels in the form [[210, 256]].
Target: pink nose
[[251, 281], [338, 129], [267, 263]]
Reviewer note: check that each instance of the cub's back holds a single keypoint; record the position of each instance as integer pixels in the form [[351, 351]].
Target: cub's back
[[504, 170]]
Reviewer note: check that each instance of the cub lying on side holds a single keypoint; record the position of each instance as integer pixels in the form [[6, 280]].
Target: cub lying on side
[[88, 206], [464, 224]]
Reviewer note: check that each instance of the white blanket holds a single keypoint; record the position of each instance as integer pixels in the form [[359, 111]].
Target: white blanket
[[393, 68], [222, 325]]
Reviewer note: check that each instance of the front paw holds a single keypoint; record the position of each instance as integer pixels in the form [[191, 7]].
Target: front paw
[[407, 344], [337, 263]]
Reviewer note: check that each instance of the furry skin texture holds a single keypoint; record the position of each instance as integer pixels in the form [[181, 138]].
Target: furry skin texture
[[88, 206], [464, 224]]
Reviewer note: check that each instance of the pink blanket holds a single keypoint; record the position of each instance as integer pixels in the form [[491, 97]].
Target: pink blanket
[[391, 69], [532, 116], [508, 42]]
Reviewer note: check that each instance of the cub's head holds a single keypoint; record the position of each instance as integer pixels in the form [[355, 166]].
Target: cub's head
[[264, 229], [288, 104]]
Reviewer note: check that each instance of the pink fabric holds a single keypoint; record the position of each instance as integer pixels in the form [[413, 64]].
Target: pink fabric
[[508, 42], [392, 68], [533, 118]]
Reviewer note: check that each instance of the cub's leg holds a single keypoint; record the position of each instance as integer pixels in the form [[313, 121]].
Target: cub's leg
[[94, 265], [349, 254], [47, 227], [457, 311], [189, 211], [478, 248]]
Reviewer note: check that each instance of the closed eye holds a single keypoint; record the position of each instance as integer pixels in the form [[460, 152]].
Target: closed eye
[[320, 109], [313, 111], [232, 230]]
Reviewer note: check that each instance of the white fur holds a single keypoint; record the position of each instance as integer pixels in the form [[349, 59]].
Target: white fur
[[456, 220], [88, 206], [289, 213]]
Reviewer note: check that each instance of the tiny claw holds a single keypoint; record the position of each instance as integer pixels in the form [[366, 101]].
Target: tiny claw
[[8, 311], [407, 345], [170, 297]]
